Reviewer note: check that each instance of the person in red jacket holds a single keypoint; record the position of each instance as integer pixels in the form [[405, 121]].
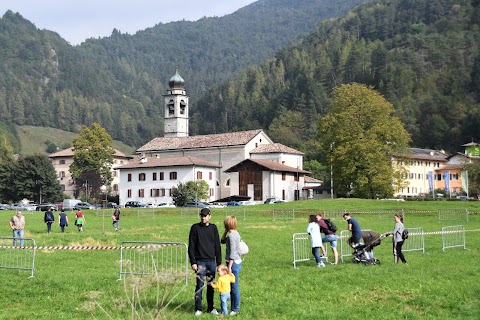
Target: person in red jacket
[[330, 236]]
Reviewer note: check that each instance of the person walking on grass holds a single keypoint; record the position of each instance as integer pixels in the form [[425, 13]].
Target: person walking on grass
[[397, 238], [17, 224], [116, 219], [62, 220], [231, 238], [49, 219], [223, 285], [79, 220], [313, 229], [330, 236], [354, 227], [205, 255]]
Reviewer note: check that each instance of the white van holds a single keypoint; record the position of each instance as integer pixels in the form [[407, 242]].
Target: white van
[[69, 204]]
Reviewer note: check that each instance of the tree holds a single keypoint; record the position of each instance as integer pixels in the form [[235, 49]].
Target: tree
[[473, 170], [7, 164], [36, 179], [360, 135], [92, 159], [189, 192]]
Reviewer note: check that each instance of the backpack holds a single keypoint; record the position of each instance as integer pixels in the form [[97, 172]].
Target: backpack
[[242, 248], [405, 234], [330, 225]]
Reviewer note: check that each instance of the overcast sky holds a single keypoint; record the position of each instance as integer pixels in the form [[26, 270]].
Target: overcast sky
[[77, 20]]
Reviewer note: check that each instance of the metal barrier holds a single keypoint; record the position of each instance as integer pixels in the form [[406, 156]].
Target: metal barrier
[[415, 241], [453, 237], [302, 251], [167, 259], [18, 257], [453, 215], [345, 249], [239, 213], [279, 214]]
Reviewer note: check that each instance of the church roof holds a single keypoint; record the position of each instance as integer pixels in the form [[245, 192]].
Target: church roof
[[268, 164], [425, 154], [69, 153], [309, 179], [202, 141], [154, 162], [275, 148]]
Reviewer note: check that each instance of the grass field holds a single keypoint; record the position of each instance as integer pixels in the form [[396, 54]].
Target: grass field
[[79, 284]]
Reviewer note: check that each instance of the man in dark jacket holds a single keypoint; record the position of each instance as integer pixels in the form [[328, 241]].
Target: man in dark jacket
[[49, 219], [205, 255]]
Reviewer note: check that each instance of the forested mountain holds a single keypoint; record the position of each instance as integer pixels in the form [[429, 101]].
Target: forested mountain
[[119, 81], [422, 55]]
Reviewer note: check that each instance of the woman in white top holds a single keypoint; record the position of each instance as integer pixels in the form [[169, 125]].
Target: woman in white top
[[313, 229], [231, 238]]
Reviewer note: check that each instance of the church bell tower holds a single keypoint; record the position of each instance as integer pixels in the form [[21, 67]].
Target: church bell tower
[[176, 108]]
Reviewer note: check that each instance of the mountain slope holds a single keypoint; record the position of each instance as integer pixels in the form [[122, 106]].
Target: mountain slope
[[119, 81], [422, 55]]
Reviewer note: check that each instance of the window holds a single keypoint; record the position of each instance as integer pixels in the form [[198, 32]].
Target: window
[[129, 193], [62, 187], [296, 177], [154, 192], [115, 187], [129, 177], [439, 177], [114, 173], [141, 193], [227, 183], [154, 176], [62, 162], [62, 174], [141, 177], [211, 192], [284, 176], [162, 192], [199, 175], [173, 175], [183, 106], [161, 176], [210, 175]]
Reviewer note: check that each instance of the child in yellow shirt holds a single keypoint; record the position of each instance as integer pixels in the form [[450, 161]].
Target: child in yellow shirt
[[223, 286]]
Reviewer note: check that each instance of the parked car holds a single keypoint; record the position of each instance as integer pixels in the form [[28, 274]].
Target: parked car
[[166, 205], [216, 205], [3, 206], [196, 205], [84, 206], [270, 200], [233, 203], [46, 206], [151, 205], [134, 204], [69, 204], [112, 205]]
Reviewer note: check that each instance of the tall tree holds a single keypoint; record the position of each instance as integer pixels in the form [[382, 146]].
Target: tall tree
[[7, 164], [359, 135], [92, 160], [36, 179]]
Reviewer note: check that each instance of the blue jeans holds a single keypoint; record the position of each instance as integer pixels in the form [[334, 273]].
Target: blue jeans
[[332, 238], [17, 234], [236, 268], [206, 269], [224, 297], [317, 256]]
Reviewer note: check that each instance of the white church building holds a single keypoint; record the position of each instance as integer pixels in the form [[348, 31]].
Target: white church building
[[247, 164]]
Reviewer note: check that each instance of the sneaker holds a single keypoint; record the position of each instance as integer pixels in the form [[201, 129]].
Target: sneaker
[[214, 312], [233, 313], [321, 265], [198, 313]]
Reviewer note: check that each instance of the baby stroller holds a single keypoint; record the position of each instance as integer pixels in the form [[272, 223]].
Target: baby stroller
[[364, 252]]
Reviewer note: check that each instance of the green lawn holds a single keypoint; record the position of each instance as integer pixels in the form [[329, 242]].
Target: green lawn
[[79, 284]]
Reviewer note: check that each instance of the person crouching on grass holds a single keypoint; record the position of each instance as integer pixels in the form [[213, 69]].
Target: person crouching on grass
[[313, 230], [223, 283]]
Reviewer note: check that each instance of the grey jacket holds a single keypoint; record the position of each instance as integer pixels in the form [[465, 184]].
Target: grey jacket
[[397, 232]]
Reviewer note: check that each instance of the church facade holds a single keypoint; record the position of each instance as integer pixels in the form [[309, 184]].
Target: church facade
[[246, 163]]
